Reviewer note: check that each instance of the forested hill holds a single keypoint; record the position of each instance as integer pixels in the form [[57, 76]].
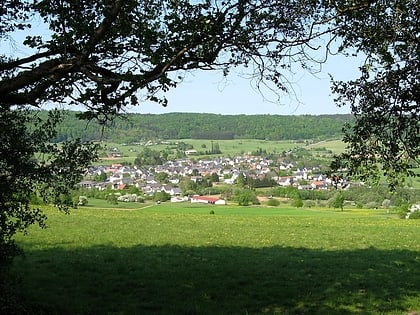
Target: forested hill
[[136, 127]]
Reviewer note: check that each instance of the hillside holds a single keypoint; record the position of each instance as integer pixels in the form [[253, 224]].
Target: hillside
[[135, 127]]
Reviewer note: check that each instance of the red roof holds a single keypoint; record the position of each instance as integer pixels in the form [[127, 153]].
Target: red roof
[[206, 198]]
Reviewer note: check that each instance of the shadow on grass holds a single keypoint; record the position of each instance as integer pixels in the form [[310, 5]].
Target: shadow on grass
[[219, 280]]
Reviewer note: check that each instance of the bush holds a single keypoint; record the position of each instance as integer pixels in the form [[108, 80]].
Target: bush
[[36, 200], [128, 198], [245, 197], [414, 215], [337, 201], [309, 203], [83, 201], [386, 203], [273, 202], [413, 212], [297, 202], [372, 205], [403, 210], [161, 196], [112, 199]]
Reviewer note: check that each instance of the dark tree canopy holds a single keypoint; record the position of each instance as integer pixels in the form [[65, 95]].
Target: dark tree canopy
[[30, 168], [109, 54], [385, 140], [106, 55]]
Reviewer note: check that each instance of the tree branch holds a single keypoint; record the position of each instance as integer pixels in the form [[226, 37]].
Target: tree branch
[[19, 62], [102, 29]]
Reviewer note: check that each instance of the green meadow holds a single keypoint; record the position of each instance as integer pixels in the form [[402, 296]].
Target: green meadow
[[228, 147], [182, 259], [336, 146]]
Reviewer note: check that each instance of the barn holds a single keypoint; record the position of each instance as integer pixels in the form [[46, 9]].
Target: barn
[[208, 200]]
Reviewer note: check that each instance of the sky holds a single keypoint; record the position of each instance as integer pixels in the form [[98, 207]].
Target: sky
[[209, 92], [203, 92]]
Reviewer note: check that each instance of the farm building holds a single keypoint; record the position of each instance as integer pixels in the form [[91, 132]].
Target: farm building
[[208, 199]]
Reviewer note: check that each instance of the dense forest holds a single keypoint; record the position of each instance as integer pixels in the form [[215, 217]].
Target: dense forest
[[132, 128]]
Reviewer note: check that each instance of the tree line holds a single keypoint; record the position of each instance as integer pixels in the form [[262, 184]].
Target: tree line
[[131, 128]]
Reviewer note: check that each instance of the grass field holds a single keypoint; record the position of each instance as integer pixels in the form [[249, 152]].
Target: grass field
[[336, 146], [228, 147], [180, 259]]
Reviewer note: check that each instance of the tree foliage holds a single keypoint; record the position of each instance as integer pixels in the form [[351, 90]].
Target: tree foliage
[[338, 200], [149, 157], [245, 197], [101, 53], [30, 164], [136, 126], [385, 139]]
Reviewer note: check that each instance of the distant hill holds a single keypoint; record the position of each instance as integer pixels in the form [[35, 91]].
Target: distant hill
[[135, 127]]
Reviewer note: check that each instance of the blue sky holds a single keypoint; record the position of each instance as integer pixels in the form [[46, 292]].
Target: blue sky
[[210, 92], [204, 92]]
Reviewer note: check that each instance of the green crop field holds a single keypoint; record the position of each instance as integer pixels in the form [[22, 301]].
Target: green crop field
[[241, 146], [181, 259], [336, 146], [228, 147]]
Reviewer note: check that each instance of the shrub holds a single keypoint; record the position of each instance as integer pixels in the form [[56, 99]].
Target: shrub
[[372, 205], [273, 202], [338, 201], [245, 197], [297, 202], [309, 203], [36, 200], [413, 212], [112, 199], [414, 215], [386, 203], [161, 196], [128, 198], [83, 201]]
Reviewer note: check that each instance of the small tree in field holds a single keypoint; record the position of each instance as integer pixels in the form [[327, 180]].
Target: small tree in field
[[161, 196], [112, 199], [338, 201], [245, 197], [297, 202]]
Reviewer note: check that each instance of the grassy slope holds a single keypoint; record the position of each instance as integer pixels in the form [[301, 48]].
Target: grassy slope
[[336, 146], [179, 259], [228, 147]]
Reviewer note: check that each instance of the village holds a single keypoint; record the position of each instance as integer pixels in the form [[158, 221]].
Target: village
[[226, 170]]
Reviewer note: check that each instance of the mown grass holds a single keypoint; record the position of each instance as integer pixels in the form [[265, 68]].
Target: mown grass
[[180, 259]]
